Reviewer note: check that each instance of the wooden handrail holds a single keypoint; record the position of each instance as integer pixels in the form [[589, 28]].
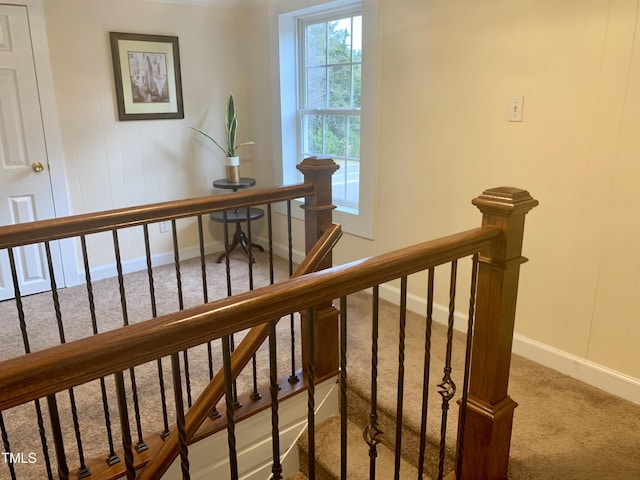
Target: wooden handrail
[[46, 372], [88, 223], [249, 345]]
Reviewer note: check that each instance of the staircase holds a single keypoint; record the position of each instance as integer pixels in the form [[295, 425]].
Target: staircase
[[359, 400], [328, 454], [476, 374]]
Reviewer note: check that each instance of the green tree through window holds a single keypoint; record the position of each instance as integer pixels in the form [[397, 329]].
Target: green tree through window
[[329, 111]]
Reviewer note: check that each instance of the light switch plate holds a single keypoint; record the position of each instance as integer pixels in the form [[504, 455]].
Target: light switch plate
[[516, 105]]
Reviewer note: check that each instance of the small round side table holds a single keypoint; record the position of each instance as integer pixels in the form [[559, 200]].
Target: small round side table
[[238, 216]]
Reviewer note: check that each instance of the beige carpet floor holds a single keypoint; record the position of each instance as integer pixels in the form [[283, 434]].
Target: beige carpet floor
[[563, 428]]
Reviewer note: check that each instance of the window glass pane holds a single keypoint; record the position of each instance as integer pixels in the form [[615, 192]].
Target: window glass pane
[[340, 86], [356, 85], [352, 181], [357, 39], [316, 36], [338, 182], [316, 94], [339, 35], [353, 137], [312, 134], [335, 136]]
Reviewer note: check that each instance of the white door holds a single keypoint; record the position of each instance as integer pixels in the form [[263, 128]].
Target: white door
[[25, 184]]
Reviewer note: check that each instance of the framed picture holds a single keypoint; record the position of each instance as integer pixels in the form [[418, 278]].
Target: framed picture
[[147, 76]]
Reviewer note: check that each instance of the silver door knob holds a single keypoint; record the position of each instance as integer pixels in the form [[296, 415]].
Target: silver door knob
[[37, 167]]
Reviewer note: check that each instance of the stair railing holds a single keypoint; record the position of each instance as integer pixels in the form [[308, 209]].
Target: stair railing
[[317, 173], [212, 394], [486, 410]]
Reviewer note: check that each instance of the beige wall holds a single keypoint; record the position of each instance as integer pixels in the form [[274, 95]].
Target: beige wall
[[447, 69], [112, 164], [456, 63]]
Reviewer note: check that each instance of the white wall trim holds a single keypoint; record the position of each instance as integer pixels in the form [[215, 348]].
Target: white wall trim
[[282, 250], [51, 125], [164, 258], [140, 263], [601, 377], [579, 368]]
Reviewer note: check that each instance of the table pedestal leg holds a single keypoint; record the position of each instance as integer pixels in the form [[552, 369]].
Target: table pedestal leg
[[240, 238]]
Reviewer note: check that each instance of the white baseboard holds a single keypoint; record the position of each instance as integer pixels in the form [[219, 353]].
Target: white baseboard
[[282, 250], [579, 368], [140, 263], [599, 376]]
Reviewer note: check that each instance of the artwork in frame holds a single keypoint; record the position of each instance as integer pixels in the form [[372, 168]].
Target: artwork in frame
[[147, 76]]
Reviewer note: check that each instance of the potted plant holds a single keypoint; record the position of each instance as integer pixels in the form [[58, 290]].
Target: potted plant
[[231, 148]]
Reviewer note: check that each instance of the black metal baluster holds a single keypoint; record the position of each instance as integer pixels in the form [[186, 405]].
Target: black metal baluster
[[447, 386], [289, 238], [343, 387], [180, 422], [176, 262], [311, 427], [249, 244], [141, 446], [227, 250], [205, 289], [426, 370], [276, 468], [154, 313], [187, 378], [112, 457], [18, 298], [371, 432], [83, 471], [125, 428], [58, 442], [230, 403], [43, 439], [215, 413], [27, 349], [293, 378], [401, 348], [467, 365], [203, 263], [255, 395], [6, 447], [270, 243]]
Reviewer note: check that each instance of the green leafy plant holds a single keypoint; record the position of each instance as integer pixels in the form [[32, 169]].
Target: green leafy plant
[[231, 127]]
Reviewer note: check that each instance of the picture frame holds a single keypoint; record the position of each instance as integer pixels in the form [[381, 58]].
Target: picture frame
[[147, 76]]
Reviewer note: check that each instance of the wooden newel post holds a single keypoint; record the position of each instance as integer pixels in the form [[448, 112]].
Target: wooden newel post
[[489, 412], [319, 216]]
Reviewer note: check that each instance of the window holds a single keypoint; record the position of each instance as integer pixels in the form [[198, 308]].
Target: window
[[327, 68], [330, 73]]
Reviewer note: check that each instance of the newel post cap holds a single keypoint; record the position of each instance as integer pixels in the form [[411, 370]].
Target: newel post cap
[[317, 164], [505, 201]]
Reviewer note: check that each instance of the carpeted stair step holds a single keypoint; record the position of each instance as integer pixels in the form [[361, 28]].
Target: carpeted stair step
[[358, 412], [328, 454], [297, 476], [359, 380]]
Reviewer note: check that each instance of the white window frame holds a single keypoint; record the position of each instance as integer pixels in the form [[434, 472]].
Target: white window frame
[[287, 139], [303, 109]]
